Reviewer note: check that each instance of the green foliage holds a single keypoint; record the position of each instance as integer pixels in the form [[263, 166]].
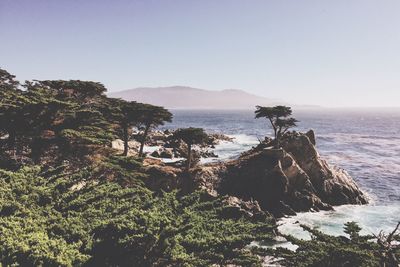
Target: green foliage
[[84, 91], [353, 230], [191, 136], [336, 251], [52, 114], [68, 117], [54, 218], [121, 169], [150, 117], [279, 117], [7, 80]]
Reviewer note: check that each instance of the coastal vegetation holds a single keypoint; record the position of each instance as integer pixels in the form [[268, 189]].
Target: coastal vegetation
[[144, 117], [353, 249], [68, 199]]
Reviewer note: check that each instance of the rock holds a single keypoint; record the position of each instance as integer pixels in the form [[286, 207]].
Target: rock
[[311, 135], [260, 176], [217, 138], [166, 153], [118, 144], [207, 154], [236, 208], [160, 176], [333, 185], [155, 153], [284, 181], [208, 177]]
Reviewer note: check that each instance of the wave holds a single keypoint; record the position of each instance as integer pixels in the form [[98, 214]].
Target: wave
[[371, 218]]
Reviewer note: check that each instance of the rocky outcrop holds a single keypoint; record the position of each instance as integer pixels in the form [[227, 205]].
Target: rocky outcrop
[[284, 181], [333, 185], [281, 181]]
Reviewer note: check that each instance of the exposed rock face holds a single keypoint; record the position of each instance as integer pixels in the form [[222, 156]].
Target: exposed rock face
[[160, 176], [290, 179], [237, 208], [281, 181], [333, 185]]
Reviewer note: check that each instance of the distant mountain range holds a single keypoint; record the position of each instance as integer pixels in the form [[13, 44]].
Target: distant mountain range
[[182, 97]]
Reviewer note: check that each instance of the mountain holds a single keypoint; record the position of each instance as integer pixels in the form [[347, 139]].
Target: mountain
[[181, 97]]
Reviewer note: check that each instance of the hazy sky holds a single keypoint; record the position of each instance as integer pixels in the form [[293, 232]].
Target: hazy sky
[[332, 53]]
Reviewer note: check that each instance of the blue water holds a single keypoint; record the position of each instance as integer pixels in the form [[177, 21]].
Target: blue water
[[366, 143]]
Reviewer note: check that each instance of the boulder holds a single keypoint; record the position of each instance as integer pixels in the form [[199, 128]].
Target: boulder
[[217, 138], [236, 208], [165, 153], [118, 144]]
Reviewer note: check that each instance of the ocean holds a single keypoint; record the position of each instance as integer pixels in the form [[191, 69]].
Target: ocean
[[366, 143]]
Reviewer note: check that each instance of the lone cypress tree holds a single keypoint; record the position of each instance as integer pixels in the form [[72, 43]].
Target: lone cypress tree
[[279, 117]]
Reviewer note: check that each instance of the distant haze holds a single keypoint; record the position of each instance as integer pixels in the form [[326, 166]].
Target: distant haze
[[181, 97]]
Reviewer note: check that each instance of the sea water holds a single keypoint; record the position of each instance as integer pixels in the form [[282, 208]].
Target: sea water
[[366, 143]]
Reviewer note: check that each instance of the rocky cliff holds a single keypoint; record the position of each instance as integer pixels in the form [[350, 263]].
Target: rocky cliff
[[283, 181]]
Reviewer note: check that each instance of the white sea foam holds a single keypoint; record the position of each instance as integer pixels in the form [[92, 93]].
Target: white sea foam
[[228, 150], [371, 218]]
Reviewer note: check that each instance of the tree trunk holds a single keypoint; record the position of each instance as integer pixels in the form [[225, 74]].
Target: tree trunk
[[273, 127], [36, 149], [126, 145], [278, 137], [189, 158], [11, 142], [143, 140]]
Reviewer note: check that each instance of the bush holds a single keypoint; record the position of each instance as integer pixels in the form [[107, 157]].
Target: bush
[[51, 218]]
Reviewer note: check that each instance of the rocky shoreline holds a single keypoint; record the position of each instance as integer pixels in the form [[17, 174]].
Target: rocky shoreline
[[293, 178]]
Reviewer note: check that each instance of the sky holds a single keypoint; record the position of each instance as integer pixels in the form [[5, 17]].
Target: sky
[[342, 53]]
